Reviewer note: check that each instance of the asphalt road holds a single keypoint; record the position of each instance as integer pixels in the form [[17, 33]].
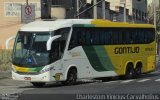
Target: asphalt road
[[148, 86]]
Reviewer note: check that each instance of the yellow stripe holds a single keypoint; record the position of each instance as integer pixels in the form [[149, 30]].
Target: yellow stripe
[[21, 69], [106, 23]]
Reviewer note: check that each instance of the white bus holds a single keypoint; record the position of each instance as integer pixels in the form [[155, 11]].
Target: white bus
[[70, 49]]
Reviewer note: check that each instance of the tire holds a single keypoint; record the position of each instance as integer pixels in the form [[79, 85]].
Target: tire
[[138, 72], [129, 72], [71, 77], [38, 84]]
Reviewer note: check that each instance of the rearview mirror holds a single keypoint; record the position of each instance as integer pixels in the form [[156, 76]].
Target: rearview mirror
[[50, 40]]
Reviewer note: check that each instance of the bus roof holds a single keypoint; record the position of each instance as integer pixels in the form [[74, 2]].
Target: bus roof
[[57, 24], [104, 23]]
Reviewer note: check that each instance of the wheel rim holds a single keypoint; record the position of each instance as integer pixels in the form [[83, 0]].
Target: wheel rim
[[71, 77], [129, 73], [138, 71]]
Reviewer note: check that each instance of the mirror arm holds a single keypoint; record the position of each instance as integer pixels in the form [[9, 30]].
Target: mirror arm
[[50, 40]]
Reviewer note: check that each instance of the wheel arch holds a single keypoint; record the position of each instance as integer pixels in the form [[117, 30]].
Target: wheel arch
[[69, 68], [138, 63], [126, 65]]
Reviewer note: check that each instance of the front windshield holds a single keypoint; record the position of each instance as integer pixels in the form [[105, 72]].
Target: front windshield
[[30, 49]]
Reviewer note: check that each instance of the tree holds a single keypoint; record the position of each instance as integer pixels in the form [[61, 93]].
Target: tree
[[151, 15]]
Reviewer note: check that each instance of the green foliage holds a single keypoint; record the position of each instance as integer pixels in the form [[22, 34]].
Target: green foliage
[[5, 60]]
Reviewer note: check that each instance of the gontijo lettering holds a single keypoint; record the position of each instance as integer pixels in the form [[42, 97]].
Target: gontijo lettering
[[126, 50]]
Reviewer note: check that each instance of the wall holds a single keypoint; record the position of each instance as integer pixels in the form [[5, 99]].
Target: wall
[[10, 18], [132, 4]]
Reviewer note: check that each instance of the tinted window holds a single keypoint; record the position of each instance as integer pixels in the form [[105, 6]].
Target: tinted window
[[110, 36]]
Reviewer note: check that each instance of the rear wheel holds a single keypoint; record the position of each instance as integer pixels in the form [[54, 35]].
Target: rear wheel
[[138, 72], [129, 72], [38, 84], [71, 77]]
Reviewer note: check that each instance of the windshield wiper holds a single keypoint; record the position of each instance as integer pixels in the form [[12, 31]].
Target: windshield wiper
[[28, 52]]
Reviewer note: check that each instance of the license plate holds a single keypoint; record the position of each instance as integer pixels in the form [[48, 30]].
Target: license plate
[[27, 78]]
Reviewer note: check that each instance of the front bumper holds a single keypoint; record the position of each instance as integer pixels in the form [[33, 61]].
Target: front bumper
[[44, 77]]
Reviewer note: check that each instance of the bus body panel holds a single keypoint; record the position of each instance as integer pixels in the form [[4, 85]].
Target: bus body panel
[[47, 74], [77, 57], [91, 61], [120, 61]]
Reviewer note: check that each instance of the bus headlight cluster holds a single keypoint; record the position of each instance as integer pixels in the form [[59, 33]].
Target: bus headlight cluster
[[46, 69]]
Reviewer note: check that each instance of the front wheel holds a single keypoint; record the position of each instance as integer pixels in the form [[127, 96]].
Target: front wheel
[[71, 77], [38, 84]]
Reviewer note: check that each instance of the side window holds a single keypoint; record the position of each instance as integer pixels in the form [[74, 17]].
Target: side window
[[130, 36], [105, 37], [102, 37], [133, 36], [64, 32], [120, 37], [93, 37], [81, 36], [74, 39], [110, 38], [140, 36], [115, 36], [151, 34], [58, 46], [97, 37], [143, 35], [146, 35], [88, 36], [123, 37]]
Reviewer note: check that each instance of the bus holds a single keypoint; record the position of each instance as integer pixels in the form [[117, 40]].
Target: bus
[[66, 50]]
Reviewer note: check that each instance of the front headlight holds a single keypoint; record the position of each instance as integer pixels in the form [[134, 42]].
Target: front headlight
[[46, 69]]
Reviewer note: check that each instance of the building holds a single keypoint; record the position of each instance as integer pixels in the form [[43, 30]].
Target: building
[[151, 1], [10, 18], [70, 7], [137, 9], [154, 4], [10, 13]]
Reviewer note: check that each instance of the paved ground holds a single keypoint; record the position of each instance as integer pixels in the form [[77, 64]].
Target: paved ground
[[147, 84], [9, 86]]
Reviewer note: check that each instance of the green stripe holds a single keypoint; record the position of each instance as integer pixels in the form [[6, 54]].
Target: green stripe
[[37, 69], [104, 58], [93, 58]]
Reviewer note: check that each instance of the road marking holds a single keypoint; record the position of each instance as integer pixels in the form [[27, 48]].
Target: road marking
[[157, 80], [143, 80], [92, 83], [4, 86], [111, 82], [127, 81]]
